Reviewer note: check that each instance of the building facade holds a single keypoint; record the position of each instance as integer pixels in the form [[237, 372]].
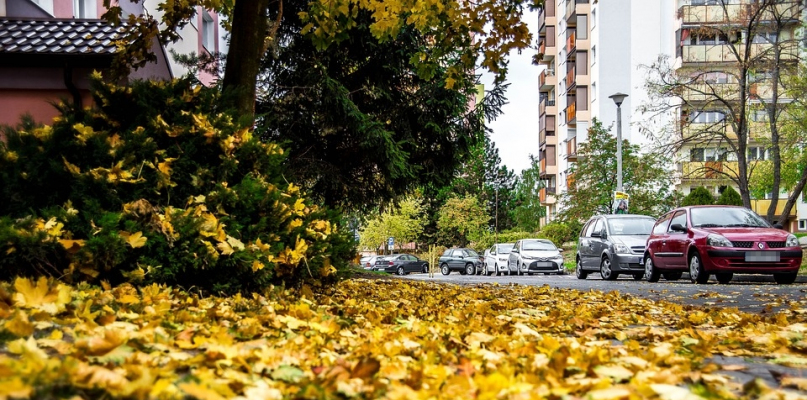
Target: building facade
[[48, 49], [591, 50]]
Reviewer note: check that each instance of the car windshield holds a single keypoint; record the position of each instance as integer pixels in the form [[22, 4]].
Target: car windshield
[[538, 245], [472, 253], [505, 248], [716, 217], [630, 226]]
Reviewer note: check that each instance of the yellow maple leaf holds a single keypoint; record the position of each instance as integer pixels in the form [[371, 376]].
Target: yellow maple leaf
[[136, 240], [83, 132], [19, 325], [42, 296], [257, 266], [225, 248], [235, 243], [71, 168], [72, 246]]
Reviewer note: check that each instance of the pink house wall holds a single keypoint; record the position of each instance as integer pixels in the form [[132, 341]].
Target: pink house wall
[[206, 78], [14, 103]]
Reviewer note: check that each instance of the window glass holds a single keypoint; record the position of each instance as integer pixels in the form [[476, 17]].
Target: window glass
[[679, 218], [598, 227], [589, 229], [471, 253], [582, 26], [447, 253], [661, 225], [505, 248], [726, 217], [538, 245], [458, 253]]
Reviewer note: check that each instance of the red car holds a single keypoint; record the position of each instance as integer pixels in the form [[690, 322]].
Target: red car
[[720, 240]]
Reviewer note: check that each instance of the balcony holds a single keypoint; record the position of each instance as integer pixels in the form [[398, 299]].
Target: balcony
[[574, 7], [547, 80], [541, 22], [547, 106], [571, 149], [570, 182], [547, 195], [698, 15], [570, 78], [571, 43], [708, 132], [547, 48], [571, 113], [718, 170], [547, 171], [722, 53]]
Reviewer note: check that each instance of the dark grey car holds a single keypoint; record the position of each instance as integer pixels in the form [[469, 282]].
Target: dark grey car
[[613, 245], [466, 261], [401, 264]]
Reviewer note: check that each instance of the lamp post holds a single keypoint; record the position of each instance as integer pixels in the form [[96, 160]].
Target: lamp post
[[618, 99]]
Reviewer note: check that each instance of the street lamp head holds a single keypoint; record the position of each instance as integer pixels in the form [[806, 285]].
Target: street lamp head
[[618, 98]]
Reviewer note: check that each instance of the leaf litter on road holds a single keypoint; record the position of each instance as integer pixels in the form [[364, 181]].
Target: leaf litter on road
[[383, 339]]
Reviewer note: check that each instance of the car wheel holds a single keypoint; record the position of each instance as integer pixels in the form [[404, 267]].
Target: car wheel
[[401, 271], [578, 270], [672, 276], [546, 273], [724, 277], [786, 278], [605, 270], [638, 277], [696, 271], [529, 273], [444, 269], [651, 274], [425, 269], [469, 269]]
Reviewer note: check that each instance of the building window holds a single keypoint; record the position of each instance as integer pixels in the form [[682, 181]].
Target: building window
[[582, 26], [696, 155], [803, 224], [46, 5], [759, 115], [765, 37], [593, 54], [715, 77], [593, 18], [593, 92], [85, 9], [756, 153], [706, 117], [208, 32]]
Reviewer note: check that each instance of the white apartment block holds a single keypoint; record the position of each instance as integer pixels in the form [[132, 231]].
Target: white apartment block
[[593, 49]]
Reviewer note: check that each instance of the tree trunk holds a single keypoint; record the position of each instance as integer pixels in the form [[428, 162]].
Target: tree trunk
[[249, 29], [791, 200]]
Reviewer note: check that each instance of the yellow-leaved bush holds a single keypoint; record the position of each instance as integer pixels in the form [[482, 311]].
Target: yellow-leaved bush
[[158, 183]]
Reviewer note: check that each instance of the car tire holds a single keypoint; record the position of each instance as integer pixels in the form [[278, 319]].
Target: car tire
[[672, 276], [578, 270], [444, 269], [697, 273], [605, 270], [724, 278], [546, 273], [470, 269], [529, 273], [785, 278], [425, 269], [638, 277], [651, 274], [401, 271]]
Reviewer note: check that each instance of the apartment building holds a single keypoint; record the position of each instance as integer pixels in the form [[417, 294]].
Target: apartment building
[[712, 37], [592, 49], [48, 49]]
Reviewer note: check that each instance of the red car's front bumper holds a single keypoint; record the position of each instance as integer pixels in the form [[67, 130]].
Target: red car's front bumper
[[718, 259]]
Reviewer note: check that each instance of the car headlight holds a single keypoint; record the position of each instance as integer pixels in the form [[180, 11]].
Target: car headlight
[[526, 257], [621, 248], [792, 241], [718, 241]]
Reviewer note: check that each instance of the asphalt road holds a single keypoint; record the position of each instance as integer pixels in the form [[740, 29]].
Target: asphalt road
[[748, 293]]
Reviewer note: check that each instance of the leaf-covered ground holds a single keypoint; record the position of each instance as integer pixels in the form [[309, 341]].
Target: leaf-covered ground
[[382, 339]]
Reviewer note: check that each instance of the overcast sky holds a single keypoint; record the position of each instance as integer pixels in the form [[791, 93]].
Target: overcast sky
[[515, 132]]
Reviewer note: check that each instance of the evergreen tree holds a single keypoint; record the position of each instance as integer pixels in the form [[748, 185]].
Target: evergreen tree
[[698, 197], [730, 197]]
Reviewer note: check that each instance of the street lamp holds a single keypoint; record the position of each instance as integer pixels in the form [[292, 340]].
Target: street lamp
[[618, 99]]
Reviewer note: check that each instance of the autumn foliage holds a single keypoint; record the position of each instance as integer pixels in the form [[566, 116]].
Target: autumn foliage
[[382, 339], [158, 183]]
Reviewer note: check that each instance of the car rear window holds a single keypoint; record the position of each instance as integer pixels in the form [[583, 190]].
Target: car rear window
[[505, 248], [630, 226]]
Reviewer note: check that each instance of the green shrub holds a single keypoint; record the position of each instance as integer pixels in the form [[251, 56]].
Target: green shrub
[[488, 239], [698, 197], [730, 197], [159, 184], [558, 233]]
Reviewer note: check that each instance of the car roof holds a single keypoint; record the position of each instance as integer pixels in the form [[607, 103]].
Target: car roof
[[616, 216], [499, 244]]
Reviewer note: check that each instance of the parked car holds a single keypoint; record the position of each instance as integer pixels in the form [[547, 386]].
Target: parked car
[[613, 245], [720, 240], [369, 262], [466, 261], [529, 256], [496, 258], [401, 264]]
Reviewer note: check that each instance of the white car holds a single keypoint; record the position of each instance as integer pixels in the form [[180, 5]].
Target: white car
[[496, 259], [535, 256]]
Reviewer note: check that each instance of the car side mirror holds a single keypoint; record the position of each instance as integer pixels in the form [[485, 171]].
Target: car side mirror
[[596, 234], [514, 251], [778, 226], [678, 228], [487, 253]]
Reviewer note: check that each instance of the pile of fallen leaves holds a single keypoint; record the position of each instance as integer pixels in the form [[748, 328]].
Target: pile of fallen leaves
[[380, 339]]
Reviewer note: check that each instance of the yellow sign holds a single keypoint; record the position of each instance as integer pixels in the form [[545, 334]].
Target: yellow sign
[[621, 202]]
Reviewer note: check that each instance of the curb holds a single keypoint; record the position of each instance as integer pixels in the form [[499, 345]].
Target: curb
[[763, 278]]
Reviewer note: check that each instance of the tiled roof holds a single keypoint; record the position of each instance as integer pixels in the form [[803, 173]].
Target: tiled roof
[[57, 36]]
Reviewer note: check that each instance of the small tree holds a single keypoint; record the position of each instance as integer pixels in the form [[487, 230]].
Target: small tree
[[404, 223], [699, 197], [730, 197], [461, 220]]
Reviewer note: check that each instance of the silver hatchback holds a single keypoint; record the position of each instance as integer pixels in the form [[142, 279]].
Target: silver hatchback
[[613, 245]]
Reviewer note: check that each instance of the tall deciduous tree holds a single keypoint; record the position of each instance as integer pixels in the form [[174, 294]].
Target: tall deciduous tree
[[644, 179], [254, 25], [741, 100]]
